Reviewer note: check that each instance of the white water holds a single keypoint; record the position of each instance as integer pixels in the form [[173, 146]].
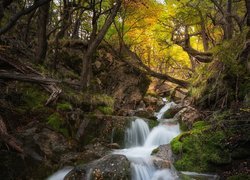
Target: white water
[[160, 114], [137, 133], [60, 174], [139, 151]]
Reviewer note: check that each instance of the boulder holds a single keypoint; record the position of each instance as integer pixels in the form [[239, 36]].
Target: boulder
[[144, 113], [187, 116], [110, 167], [44, 142], [163, 156], [172, 111]]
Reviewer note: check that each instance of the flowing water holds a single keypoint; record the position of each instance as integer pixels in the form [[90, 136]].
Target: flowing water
[[140, 143]]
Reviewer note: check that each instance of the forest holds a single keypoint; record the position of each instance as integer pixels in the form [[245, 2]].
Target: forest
[[125, 89]]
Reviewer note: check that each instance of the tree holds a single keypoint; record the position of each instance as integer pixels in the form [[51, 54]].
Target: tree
[[42, 21], [94, 42]]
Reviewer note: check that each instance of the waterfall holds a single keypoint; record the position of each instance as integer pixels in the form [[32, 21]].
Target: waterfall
[[140, 143], [137, 133], [164, 109], [60, 174]]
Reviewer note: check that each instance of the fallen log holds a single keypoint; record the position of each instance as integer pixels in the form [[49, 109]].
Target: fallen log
[[33, 78], [28, 74]]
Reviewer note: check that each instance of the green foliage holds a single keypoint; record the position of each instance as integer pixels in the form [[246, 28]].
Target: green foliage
[[66, 106], [200, 149], [106, 110], [223, 80], [33, 98], [152, 123], [56, 121]]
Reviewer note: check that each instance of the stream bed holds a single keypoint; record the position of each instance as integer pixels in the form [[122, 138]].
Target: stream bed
[[140, 142]]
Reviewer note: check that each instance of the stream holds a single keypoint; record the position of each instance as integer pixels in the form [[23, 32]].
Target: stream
[[139, 144]]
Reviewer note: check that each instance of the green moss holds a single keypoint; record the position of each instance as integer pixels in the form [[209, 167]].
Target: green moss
[[239, 177], [199, 125], [102, 99], [155, 151], [33, 98], [106, 110], [56, 121], [64, 106], [152, 123], [176, 145], [200, 150]]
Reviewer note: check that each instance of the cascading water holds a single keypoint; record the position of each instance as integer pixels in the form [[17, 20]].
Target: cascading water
[[137, 133], [140, 143]]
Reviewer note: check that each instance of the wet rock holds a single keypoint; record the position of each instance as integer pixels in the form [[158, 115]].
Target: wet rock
[[163, 156], [161, 163], [114, 146], [187, 116], [144, 113], [110, 167], [106, 129], [172, 111], [153, 103]]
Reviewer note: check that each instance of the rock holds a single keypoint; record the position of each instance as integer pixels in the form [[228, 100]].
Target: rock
[[143, 113], [172, 111], [163, 156], [110, 167], [44, 141], [114, 146], [187, 116], [153, 103], [161, 164], [104, 128]]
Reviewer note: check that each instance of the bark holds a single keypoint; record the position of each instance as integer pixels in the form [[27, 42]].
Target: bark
[[204, 57], [248, 11], [135, 62], [150, 72], [229, 21], [33, 78], [87, 58], [12, 21], [42, 33]]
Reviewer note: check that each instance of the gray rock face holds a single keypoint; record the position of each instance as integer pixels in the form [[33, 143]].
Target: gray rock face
[[188, 116], [110, 167], [163, 157]]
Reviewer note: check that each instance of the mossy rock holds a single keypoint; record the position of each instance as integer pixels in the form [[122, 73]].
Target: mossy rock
[[106, 110], [170, 113], [152, 123], [155, 151], [200, 149]]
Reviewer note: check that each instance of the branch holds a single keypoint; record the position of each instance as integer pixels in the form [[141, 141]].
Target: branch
[[17, 16], [142, 67], [27, 78]]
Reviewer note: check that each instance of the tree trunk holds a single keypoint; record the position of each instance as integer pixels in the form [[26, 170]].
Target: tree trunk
[[229, 21], [42, 22], [87, 58], [248, 12]]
